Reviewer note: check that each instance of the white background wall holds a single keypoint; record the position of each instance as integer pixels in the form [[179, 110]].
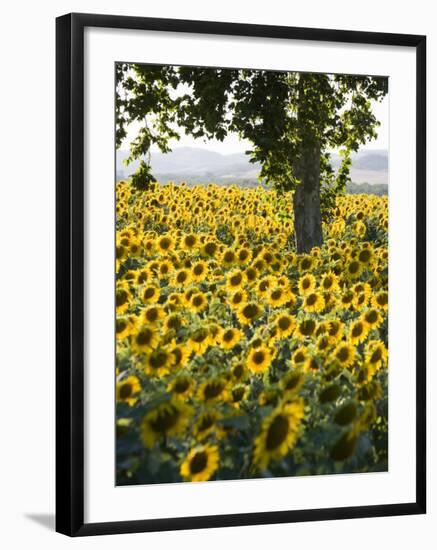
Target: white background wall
[[27, 145]]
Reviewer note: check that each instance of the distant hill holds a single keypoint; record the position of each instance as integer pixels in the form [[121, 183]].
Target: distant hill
[[204, 165]]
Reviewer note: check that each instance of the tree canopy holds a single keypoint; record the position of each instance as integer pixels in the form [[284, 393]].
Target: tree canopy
[[291, 119]]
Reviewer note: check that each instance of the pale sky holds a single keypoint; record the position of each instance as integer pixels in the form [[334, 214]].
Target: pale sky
[[232, 143]]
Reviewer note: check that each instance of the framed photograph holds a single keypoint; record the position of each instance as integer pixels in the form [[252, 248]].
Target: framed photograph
[[240, 274]]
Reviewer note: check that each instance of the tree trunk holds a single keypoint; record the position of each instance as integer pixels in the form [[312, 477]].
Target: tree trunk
[[306, 200]]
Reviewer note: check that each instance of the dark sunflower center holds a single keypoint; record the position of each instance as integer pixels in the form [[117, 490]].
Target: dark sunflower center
[[178, 355], [199, 336], [197, 300], [152, 315], [382, 299], [158, 359], [213, 389], [307, 327], [311, 299], [277, 432], [327, 283], [364, 256], [276, 294], [181, 386], [174, 322], [126, 390], [376, 356], [144, 337], [250, 311], [165, 420], [205, 423], [190, 240], [120, 325], [198, 462], [228, 257], [237, 298], [306, 284], [354, 267], [343, 354], [210, 248], [284, 323], [164, 244], [236, 279], [306, 263], [258, 357], [182, 277], [243, 255], [357, 330], [251, 274], [237, 394], [228, 335], [292, 381], [198, 269], [121, 297], [149, 293], [372, 316]]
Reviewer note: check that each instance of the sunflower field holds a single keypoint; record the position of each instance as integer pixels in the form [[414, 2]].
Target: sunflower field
[[236, 357]]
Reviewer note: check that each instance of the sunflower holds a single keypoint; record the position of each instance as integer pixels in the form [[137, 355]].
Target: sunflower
[[238, 299], [265, 285], [329, 282], [335, 330], [306, 284], [198, 302], [237, 395], [127, 390], [144, 276], [229, 257], [165, 244], [199, 340], [201, 463], [259, 359], [249, 313], [209, 249], [189, 242], [344, 353], [358, 331], [375, 355], [300, 356], [380, 300], [150, 295], [166, 420], [284, 324], [292, 382], [182, 386], [278, 296], [229, 338], [208, 424], [145, 339], [244, 255], [159, 362], [123, 327], [365, 256], [353, 269], [152, 314], [279, 432], [122, 297], [173, 322], [181, 353], [181, 278], [306, 263], [213, 389], [199, 271], [235, 280], [305, 328], [372, 318], [313, 302]]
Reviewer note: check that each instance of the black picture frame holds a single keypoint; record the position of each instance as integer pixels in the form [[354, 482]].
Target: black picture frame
[[70, 273]]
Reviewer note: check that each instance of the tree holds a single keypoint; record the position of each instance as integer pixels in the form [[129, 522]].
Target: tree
[[291, 119]]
